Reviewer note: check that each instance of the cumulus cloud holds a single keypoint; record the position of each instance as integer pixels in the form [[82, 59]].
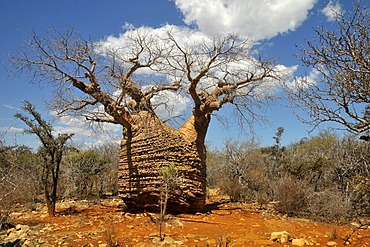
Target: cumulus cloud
[[170, 104], [126, 47], [304, 81], [331, 10], [272, 85], [312, 77], [253, 18]]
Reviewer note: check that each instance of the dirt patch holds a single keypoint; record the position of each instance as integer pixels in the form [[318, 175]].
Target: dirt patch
[[104, 223]]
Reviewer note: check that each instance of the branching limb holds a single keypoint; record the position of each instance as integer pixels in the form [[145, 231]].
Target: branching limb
[[340, 90]]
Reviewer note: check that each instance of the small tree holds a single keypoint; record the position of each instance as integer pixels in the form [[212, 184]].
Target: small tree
[[277, 137], [170, 178], [341, 93], [51, 152]]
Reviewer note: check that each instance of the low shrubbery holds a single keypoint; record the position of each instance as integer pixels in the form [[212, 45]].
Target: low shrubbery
[[329, 206], [325, 178], [84, 174], [90, 173], [292, 195]]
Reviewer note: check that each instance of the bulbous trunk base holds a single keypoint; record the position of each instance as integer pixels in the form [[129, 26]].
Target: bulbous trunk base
[[142, 158]]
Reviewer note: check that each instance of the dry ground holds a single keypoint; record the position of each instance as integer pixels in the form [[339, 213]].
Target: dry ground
[[104, 223]]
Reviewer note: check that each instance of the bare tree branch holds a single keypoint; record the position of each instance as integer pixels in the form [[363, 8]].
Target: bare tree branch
[[341, 91], [128, 82]]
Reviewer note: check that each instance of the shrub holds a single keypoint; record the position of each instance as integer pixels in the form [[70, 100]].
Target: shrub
[[19, 177], [234, 189], [90, 173], [329, 206], [360, 197], [291, 195]]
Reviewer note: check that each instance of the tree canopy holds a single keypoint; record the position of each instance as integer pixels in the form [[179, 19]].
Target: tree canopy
[[146, 70]]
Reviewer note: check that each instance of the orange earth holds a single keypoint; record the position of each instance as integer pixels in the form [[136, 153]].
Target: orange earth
[[104, 223]]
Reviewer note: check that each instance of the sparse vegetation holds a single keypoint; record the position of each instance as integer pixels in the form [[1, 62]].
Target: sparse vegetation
[[111, 233], [90, 173], [4, 220], [223, 241], [323, 178], [303, 179]]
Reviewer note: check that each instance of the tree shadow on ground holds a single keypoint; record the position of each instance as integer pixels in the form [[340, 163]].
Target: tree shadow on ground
[[209, 207], [72, 210]]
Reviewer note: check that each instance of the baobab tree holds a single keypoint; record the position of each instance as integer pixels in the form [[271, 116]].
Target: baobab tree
[[127, 82], [340, 91]]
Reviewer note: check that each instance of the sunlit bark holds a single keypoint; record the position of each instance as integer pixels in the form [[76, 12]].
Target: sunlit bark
[[212, 74]]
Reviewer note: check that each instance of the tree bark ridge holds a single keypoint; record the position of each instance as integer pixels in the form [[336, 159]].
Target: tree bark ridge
[[154, 145]]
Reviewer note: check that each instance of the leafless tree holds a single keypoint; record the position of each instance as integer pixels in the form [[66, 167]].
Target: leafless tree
[[127, 84], [341, 57]]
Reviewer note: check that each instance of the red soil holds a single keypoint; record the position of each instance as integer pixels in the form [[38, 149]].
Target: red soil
[[104, 223]]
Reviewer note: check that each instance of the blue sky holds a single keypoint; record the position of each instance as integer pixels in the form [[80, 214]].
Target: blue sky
[[278, 26]]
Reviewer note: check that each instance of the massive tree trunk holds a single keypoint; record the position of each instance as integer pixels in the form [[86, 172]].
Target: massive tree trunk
[[151, 145], [213, 73]]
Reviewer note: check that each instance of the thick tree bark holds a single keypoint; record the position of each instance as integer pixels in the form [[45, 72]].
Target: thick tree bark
[[152, 145], [206, 70]]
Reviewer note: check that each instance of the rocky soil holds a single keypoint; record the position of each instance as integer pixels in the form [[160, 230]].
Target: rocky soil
[[105, 223]]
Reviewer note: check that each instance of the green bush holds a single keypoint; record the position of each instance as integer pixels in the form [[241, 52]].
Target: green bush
[[90, 173]]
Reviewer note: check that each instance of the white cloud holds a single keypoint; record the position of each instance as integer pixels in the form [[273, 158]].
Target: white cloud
[[11, 129], [272, 85], [305, 81], [312, 77], [11, 107], [84, 134], [170, 104], [331, 10], [69, 125], [126, 47], [259, 19]]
